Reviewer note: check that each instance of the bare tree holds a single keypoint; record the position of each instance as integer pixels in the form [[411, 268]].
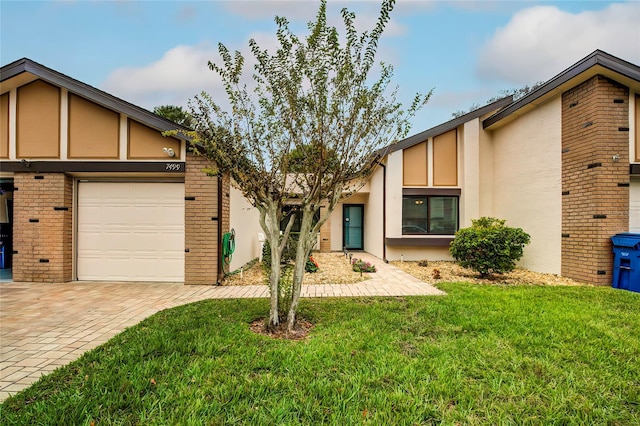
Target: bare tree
[[306, 134]]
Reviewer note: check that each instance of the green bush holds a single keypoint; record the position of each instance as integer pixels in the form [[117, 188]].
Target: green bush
[[488, 247], [288, 254], [266, 256]]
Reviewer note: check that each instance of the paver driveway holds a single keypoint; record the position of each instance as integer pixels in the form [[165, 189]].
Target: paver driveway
[[44, 326]]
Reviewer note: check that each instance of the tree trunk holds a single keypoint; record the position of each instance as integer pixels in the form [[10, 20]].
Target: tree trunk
[[270, 223], [274, 284], [303, 250]]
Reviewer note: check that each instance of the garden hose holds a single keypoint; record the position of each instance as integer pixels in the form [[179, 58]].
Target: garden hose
[[228, 247]]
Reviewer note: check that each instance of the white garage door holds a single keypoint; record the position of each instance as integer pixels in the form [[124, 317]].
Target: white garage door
[[634, 206], [130, 231]]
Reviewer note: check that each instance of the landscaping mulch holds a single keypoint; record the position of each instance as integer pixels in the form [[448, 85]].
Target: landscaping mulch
[[449, 271], [334, 268], [300, 332]]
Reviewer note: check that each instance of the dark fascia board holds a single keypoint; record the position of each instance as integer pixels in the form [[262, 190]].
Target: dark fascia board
[[93, 166], [598, 57], [445, 127], [96, 95]]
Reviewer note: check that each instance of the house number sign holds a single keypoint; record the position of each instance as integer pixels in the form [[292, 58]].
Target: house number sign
[[173, 167]]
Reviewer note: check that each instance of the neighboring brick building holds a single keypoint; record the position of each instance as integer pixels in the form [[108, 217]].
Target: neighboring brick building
[[93, 191], [595, 197]]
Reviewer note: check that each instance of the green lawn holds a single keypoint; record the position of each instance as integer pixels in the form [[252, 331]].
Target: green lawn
[[481, 355]]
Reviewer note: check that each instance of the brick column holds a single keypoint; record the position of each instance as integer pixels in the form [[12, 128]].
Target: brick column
[[595, 187], [325, 233], [201, 221], [42, 228]]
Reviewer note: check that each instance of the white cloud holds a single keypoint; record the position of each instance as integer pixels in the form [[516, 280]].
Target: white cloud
[[181, 73], [541, 41], [303, 11]]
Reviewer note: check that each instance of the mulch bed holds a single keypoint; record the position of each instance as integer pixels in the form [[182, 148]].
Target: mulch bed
[[334, 268], [443, 271], [300, 332]]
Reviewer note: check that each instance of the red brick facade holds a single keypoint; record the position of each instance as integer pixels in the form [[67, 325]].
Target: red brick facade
[[43, 227], [201, 222], [595, 198]]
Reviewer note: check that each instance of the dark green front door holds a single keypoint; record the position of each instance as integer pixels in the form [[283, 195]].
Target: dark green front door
[[353, 226]]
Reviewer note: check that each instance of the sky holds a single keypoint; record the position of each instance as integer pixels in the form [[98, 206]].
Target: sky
[[153, 53]]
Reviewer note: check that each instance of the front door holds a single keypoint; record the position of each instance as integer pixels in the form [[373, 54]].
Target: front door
[[353, 215]]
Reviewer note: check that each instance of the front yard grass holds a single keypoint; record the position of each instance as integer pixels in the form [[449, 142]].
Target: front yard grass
[[480, 355]]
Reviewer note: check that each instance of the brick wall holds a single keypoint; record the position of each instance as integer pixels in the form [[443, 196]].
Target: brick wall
[[201, 222], [325, 233], [43, 228], [595, 188]]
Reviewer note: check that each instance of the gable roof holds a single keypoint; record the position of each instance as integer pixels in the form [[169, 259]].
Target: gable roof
[[449, 125], [25, 65], [598, 62]]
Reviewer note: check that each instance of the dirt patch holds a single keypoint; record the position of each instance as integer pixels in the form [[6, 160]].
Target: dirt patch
[[334, 268], [300, 332], [443, 271]]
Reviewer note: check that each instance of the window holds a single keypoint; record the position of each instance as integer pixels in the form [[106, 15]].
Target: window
[[429, 214], [297, 222]]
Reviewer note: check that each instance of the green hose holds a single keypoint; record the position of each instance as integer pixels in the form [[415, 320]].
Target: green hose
[[228, 247]]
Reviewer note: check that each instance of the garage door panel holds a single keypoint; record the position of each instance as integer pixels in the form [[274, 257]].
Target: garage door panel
[[131, 231]]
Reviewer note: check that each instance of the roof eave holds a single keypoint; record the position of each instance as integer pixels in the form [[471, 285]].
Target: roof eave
[[597, 58], [96, 95], [445, 127]]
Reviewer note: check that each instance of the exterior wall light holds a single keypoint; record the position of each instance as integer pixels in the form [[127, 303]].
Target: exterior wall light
[[169, 151]]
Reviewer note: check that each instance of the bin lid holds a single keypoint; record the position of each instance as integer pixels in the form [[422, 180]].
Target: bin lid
[[626, 239]]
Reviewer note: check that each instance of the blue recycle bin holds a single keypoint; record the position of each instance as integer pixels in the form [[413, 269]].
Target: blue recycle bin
[[626, 261]]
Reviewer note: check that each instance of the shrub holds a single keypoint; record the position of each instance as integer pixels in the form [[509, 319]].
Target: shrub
[[360, 265], [266, 257], [288, 254], [488, 247]]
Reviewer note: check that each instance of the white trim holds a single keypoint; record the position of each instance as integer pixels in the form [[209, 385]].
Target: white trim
[[124, 136], [13, 123], [64, 123], [429, 162]]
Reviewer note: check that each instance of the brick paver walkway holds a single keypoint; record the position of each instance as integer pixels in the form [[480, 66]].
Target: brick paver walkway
[[44, 326]]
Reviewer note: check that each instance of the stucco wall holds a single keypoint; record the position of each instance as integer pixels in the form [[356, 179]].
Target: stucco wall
[[634, 205], [245, 220], [418, 253], [394, 195], [527, 182], [373, 215], [470, 166]]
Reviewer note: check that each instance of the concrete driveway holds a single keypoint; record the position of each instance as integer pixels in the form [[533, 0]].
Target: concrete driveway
[[44, 326]]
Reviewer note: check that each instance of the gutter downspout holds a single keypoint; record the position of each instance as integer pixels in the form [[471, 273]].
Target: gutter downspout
[[220, 260]]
